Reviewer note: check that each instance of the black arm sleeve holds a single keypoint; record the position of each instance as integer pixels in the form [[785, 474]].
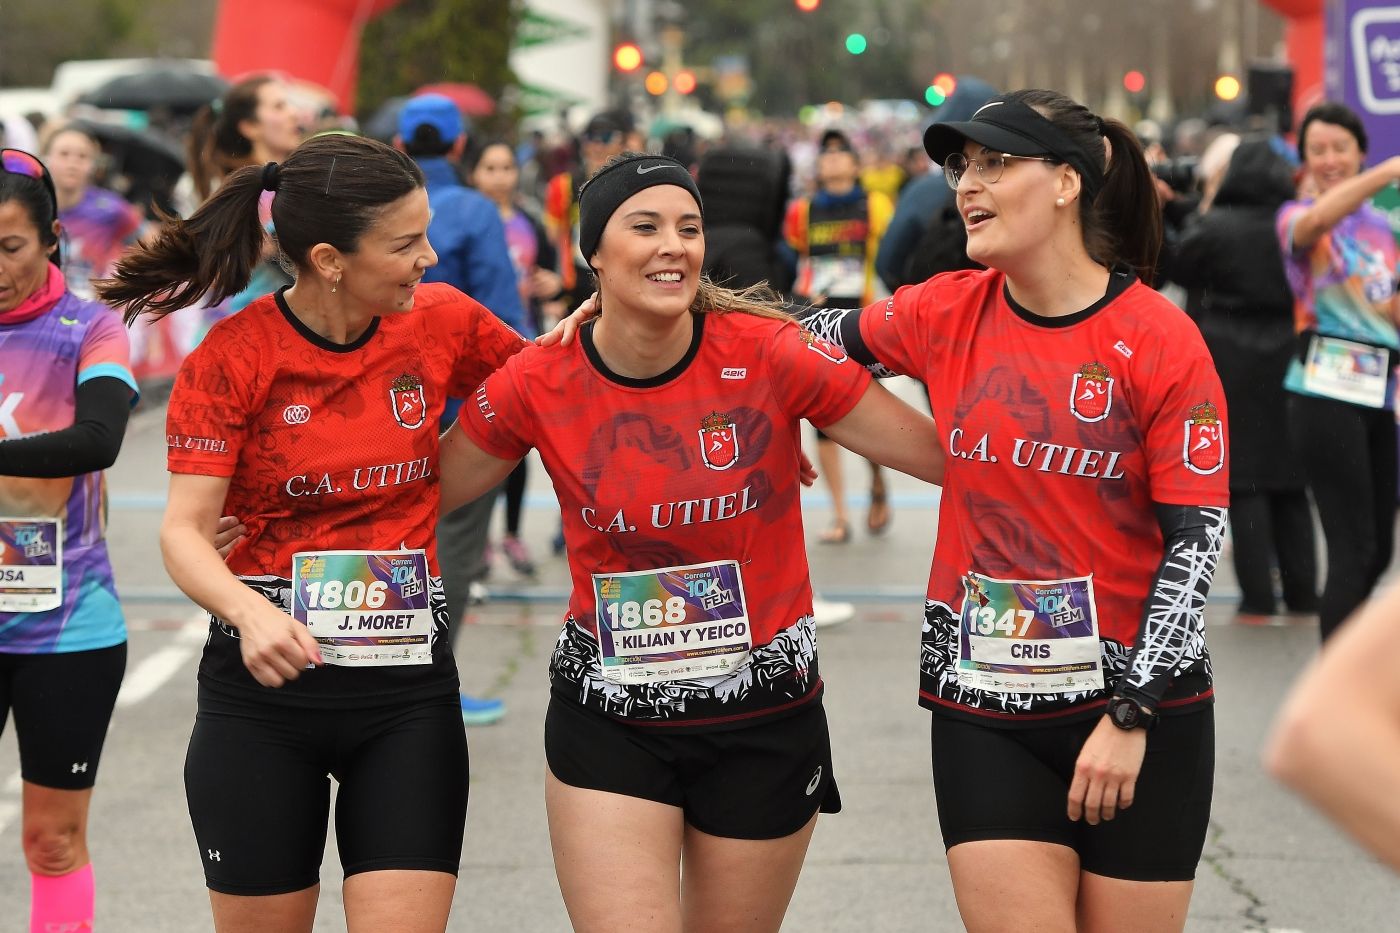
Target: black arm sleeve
[[101, 408], [1172, 635], [841, 327]]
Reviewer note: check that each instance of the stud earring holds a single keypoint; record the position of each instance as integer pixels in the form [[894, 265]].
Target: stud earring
[[1059, 202]]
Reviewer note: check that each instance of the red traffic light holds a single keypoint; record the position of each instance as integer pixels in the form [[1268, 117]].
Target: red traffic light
[[1134, 82], [627, 57], [684, 82]]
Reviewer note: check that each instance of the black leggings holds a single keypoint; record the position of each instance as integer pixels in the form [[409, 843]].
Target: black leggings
[[1271, 528], [1349, 453]]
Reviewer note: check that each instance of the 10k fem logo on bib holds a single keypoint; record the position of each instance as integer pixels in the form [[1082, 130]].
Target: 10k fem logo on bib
[[1029, 636], [676, 623], [365, 608], [31, 564]]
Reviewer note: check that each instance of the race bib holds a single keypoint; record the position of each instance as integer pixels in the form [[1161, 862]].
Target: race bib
[[1029, 636], [842, 276], [31, 564], [677, 623], [365, 608], [1347, 371]]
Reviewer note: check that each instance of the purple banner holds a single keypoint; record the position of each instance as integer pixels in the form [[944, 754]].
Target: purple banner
[[1363, 68]]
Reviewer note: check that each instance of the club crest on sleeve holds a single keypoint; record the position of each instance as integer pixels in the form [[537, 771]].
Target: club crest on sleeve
[[408, 402], [1203, 450], [821, 346], [719, 441], [1091, 393]]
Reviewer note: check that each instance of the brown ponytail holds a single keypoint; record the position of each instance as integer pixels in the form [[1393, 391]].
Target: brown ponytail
[[330, 190], [1123, 224], [213, 253]]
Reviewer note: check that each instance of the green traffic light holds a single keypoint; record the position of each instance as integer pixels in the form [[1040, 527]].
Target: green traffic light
[[934, 96], [855, 43]]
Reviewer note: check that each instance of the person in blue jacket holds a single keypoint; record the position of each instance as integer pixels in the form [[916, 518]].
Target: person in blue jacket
[[467, 234]]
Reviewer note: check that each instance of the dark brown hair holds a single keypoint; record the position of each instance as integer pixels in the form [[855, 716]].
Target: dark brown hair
[[330, 190], [1124, 223], [217, 147]]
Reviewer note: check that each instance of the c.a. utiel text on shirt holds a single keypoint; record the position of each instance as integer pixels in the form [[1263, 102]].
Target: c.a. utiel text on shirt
[[1041, 456], [679, 512], [360, 479]]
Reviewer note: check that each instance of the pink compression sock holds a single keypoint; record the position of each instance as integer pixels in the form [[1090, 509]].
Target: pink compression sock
[[61, 904]]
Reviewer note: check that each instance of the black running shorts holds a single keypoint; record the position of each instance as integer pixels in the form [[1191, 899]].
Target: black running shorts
[[763, 781], [62, 704], [257, 780], [995, 783]]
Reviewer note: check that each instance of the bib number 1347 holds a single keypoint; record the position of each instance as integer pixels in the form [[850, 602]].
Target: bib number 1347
[[1014, 622]]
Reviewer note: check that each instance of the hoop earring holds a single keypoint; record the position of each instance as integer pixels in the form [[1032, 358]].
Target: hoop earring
[[1059, 202], [335, 285]]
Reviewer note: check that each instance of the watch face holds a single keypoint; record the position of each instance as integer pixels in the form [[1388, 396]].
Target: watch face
[[1125, 713]]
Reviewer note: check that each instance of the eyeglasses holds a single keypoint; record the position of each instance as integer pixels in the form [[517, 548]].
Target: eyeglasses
[[989, 166], [19, 162]]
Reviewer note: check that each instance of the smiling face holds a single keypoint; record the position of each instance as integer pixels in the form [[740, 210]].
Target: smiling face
[[648, 260], [1332, 154], [1011, 218], [389, 260], [24, 258]]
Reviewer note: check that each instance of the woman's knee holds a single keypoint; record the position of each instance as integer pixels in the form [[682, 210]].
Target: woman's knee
[[54, 849]]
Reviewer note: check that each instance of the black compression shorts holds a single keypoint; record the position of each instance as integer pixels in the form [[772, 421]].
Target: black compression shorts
[[763, 781], [257, 780], [62, 704], [994, 783]]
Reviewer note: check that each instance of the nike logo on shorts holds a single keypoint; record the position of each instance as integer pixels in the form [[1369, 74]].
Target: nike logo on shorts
[[814, 782]]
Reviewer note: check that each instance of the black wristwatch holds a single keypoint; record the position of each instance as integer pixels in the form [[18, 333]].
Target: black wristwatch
[[1127, 714]]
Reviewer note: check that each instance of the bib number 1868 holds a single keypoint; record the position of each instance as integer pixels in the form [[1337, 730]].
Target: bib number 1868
[[631, 614]]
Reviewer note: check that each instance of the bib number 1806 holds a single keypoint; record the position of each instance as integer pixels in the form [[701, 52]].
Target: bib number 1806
[[335, 594], [631, 614]]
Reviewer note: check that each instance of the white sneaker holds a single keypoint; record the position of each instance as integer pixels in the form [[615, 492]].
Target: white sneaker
[[477, 593], [826, 613]]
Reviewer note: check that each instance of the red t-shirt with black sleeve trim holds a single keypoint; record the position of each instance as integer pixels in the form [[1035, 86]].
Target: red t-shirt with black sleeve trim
[[329, 447], [697, 465], [1061, 434]]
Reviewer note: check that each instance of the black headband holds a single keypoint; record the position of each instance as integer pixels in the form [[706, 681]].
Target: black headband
[[1018, 129], [604, 193]]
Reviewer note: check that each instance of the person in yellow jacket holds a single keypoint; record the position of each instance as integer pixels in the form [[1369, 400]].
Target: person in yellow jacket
[[836, 235]]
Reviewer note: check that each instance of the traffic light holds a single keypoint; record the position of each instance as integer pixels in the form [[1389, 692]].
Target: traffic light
[[807, 6], [945, 83], [684, 82], [627, 57], [656, 84], [855, 43], [1134, 81]]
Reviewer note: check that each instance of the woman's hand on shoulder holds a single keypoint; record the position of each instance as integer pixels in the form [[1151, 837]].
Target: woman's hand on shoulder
[[563, 332]]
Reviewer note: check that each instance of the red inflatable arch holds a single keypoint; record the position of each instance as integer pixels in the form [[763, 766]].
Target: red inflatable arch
[[315, 40]]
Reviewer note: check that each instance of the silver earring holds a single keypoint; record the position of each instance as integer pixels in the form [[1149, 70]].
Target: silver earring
[[1059, 202]]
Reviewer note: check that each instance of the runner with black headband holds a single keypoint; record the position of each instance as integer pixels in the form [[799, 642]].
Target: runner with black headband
[[313, 413], [1064, 653], [687, 746]]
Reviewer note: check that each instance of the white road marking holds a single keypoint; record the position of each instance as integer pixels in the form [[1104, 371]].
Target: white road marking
[[152, 673]]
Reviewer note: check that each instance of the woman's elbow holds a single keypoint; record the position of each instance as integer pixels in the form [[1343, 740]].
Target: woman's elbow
[[1294, 748]]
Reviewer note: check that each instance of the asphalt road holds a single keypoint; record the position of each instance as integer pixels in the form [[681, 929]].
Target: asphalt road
[[1270, 864]]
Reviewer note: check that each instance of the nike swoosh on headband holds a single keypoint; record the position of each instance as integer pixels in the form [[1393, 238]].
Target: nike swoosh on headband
[[642, 170]]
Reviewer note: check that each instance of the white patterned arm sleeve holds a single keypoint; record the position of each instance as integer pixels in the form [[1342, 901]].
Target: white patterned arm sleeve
[[1172, 637], [841, 326]]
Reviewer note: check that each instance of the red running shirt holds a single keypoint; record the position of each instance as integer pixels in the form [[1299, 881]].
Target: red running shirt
[[1060, 434], [644, 483], [330, 447]]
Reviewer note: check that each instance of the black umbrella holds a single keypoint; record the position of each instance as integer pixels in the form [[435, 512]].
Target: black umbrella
[[176, 89]]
